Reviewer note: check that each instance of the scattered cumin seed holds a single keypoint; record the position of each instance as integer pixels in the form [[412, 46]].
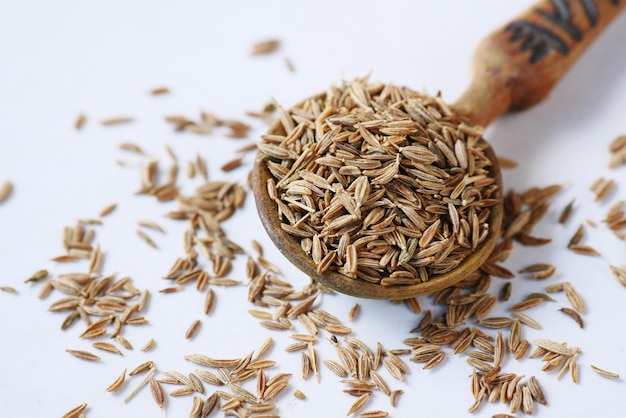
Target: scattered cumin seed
[[129, 146], [565, 214], [393, 398], [554, 347], [80, 122], [5, 191], [37, 276], [117, 120], [64, 259], [193, 329], [354, 311], [373, 414], [117, 384], [157, 91], [577, 237], [146, 238], [526, 304], [201, 167], [232, 164], [106, 346], [75, 412], [145, 366], [149, 345], [604, 373], [536, 391], [358, 404], [574, 315], [157, 392], [573, 297], [85, 355], [539, 271], [151, 225], [8, 289], [584, 250], [619, 273], [505, 292], [265, 47], [298, 394], [107, 210], [172, 289]]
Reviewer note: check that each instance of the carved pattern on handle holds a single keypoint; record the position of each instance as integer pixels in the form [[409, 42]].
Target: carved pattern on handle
[[541, 40]]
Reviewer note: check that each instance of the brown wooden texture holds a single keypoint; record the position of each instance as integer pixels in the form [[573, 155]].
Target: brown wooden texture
[[518, 65]]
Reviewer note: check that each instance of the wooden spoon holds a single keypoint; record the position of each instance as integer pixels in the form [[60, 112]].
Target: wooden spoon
[[514, 68]]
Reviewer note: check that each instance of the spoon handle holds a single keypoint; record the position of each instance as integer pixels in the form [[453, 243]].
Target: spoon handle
[[518, 65]]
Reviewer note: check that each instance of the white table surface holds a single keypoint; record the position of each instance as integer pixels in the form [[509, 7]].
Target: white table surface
[[59, 59]]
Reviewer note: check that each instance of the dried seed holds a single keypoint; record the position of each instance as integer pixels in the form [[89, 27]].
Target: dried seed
[[394, 397], [143, 367], [358, 404], [193, 329], [128, 146], [80, 122], [5, 191], [496, 322], [117, 384], [554, 347], [157, 392], [265, 47], [526, 304], [584, 250], [574, 315], [577, 237], [619, 273], [352, 314], [373, 414], [539, 271], [565, 214], [338, 329], [123, 342], [107, 210], [101, 345], [8, 289], [209, 405], [604, 373], [157, 91], [573, 297], [146, 238], [116, 120], [85, 355], [196, 407], [527, 320], [182, 392], [336, 368], [149, 345], [535, 390], [37, 276], [75, 412], [151, 225], [231, 165], [505, 292]]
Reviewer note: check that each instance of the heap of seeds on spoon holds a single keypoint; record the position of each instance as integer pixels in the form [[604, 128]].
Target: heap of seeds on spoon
[[380, 183]]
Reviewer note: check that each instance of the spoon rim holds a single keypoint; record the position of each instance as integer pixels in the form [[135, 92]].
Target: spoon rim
[[289, 245]]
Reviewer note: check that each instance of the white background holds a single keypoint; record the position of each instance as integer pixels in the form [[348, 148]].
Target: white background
[[59, 59]]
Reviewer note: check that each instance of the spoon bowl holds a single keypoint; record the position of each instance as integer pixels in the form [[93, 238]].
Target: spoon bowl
[[290, 247]]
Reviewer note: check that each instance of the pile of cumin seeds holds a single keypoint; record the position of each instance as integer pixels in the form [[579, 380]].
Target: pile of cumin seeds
[[459, 323], [379, 182]]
